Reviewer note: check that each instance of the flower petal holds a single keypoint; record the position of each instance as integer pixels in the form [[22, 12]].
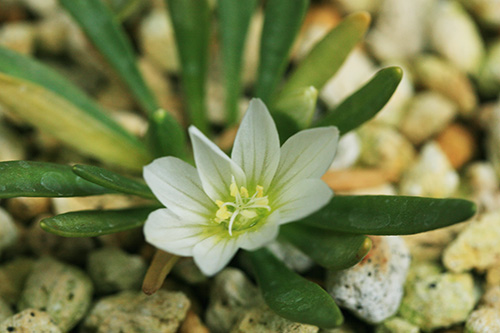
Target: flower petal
[[307, 154], [257, 146], [302, 199], [213, 253], [252, 240], [168, 232], [214, 167], [177, 185]]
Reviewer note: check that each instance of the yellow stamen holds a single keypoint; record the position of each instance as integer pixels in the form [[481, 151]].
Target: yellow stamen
[[260, 191], [219, 203], [262, 201], [244, 192], [223, 214], [234, 189]]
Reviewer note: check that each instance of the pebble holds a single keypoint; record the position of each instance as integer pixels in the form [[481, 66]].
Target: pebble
[[193, 324], [5, 310], [491, 297], [373, 289], [348, 151], [106, 201], [431, 176], [350, 6], [13, 275], [26, 208], [428, 113], [186, 270], [396, 325], [477, 246], [483, 183], [484, 320], [132, 122], [42, 7], [19, 37], [489, 75], [52, 34], [355, 179], [112, 269], [458, 144], [8, 230], [438, 300], [231, 294], [30, 321], [131, 311], [11, 146], [487, 11], [63, 291], [493, 138], [291, 256]]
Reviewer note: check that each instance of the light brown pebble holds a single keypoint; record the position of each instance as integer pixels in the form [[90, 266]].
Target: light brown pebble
[[26, 208], [483, 320], [458, 144], [193, 324], [30, 321], [353, 179]]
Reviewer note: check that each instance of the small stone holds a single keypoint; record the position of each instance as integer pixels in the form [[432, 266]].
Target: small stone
[[355, 179], [350, 6], [232, 293], [107, 201], [18, 36], [63, 291], [428, 113], [8, 230], [438, 300], [487, 11], [136, 312], [483, 320], [477, 246], [193, 324], [13, 275], [5, 310], [111, 270], [454, 35], [115, 96], [52, 33], [42, 7], [431, 175], [348, 151], [396, 325], [373, 289], [436, 74], [11, 147], [26, 208], [493, 138], [493, 276], [29, 321], [491, 298], [383, 189], [186, 270], [458, 144], [132, 122], [489, 75], [291, 256], [261, 319]]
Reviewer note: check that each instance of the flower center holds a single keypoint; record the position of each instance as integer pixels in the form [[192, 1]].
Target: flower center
[[245, 211]]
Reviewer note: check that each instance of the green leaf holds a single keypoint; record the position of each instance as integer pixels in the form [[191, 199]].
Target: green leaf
[[234, 19], [329, 54], [390, 215], [290, 295], [365, 103], [122, 9], [39, 179], [92, 223], [285, 124], [299, 105], [191, 22], [98, 23], [113, 181], [165, 136], [282, 21], [52, 103], [330, 249]]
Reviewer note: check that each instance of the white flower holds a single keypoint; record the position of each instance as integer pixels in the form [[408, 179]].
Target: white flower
[[229, 203]]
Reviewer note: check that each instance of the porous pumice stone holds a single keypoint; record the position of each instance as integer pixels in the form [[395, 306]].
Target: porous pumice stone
[[484, 320], [396, 325], [30, 321], [131, 311], [373, 289]]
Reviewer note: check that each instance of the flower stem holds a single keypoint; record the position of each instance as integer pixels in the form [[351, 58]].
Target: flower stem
[[160, 266]]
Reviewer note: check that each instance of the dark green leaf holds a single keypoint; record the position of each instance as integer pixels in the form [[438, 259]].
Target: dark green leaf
[[234, 19], [91, 223], [98, 23], [39, 179], [290, 295], [112, 181], [165, 136], [282, 21], [328, 54], [390, 215], [122, 9], [366, 102], [191, 22], [330, 249], [285, 124]]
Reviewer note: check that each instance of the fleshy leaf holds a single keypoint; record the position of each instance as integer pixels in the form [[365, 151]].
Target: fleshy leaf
[[98, 23], [330, 249], [326, 57], [112, 181], [165, 135], [191, 22], [122, 9], [40, 179], [389, 215], [282, 21], [92, 223], [365, 103], [299, 105], [292, 296], [52, 103], [234, 19]]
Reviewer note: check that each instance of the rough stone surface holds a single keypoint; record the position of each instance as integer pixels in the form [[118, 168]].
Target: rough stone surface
[[291, 256], [25, 208], [489, 75], [262, 320], [11, 147], [431, 176], [13, 275], [8, 230], [30, 321], [136, 312], [373, 289], [5, 310], [18, 36], [484, 320], [493, 138], [112, 269], [396, 325], [477, 246], [231, 294], [348, 151], [185, 269], [438, 300], [63, 291]]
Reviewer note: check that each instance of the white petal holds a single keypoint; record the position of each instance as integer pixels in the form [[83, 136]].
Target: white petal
[[214, 167], [302, 199], [177, 185], [168, 232], [307, 154], [252, 240], [214, 253], [257, 146]]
